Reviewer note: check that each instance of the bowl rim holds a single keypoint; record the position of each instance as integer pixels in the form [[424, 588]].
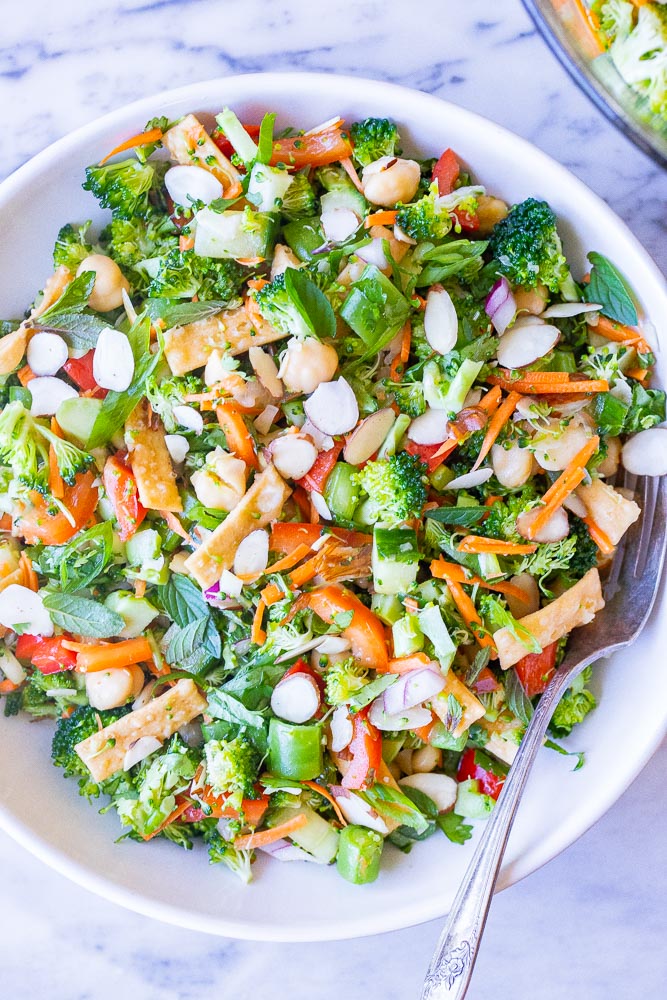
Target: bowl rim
[[597, 804], [551, 30]]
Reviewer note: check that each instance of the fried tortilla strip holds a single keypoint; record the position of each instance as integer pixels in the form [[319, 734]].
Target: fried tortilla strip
[[151, 461], [262, 503], [103, 753], [471, 706], [190, 144], [611, 512], [231, 332], [577, 606], [14, 345]]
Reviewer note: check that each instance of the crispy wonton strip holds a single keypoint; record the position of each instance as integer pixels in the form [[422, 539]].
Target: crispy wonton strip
[[151, 461], [262, 503], [103, 753], [232, 332], [189, 143]]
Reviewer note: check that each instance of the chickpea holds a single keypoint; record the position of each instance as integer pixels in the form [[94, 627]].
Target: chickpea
[[306, 364], [397, 249], [531, 300], [426, 759], [110, 281], [609, 466], [395, 771], [526, 583], [555, 530], [555, 446], [490, 211], [283, 257], [403, 760], [389, 180], [221, 483], [112, 688], [513, 466]]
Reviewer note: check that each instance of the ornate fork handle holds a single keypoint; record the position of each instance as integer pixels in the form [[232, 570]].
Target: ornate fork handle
[[451, 967]]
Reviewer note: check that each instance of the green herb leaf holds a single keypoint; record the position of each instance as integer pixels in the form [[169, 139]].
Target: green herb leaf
[[85, 557], [312, 304], [187, 641], [518, 701], [265, 139], [369, 692], [579, 754], [454, 827], [237, 719], [464, 517], [184, 602], [175, 313], [343, 619], [608, 287], [74, 299], [80, 330], [117, 406], [82, 616]]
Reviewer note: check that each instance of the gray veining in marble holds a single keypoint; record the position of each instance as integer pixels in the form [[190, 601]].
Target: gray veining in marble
[[591, 925]]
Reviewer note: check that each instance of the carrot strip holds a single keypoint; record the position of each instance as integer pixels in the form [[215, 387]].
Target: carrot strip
[[295, 556], [266, 837], [349, 169], [475, 544], [442, 570], [142, 139], [239, 438], [621, 334], [568, 481], [600, 537], [271, 594], [7, 686], [404, 664], [496, 424], [638, 373], [398, 364], [314, 787], [257, 633], [110, 656], [533, 386], [468, 612], [25, 375], [174, 815], [174, 524], [28, 574], [490, 400], [140, 588], [386, 218], [185, 243]]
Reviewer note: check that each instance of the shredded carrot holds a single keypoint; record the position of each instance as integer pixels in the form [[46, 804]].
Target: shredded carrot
[[266, 837], [600, 537], [535, 386], [469, 614], [568, 481], [313, 514], [140, 588], [385, 218], [491, 499], [271, 594], [329, 797], [349, 169], [411, 605], [7, 686], [638, 373], [490, 401], [621, 334], [174, 524], [404, 664], [475, 544], [295, 556], [257, 283], [496, 424], [400, 361], [29, 576], [442, 570], [56, 484], [16, 576], [152, 135], [257, 633], [25, 375], [174, 815], [239, 438], [110, 656], [423, 732], [185, 243], [306, 571]]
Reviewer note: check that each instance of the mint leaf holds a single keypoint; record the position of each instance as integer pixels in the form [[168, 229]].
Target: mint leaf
[[312, 304], [82, 616], [608, 287]]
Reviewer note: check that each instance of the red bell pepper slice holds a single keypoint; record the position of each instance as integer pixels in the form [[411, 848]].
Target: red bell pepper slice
[[40, 524], [316, 479], [366, 751], [80, 370], [286, 535], [470, 768], [427, 453], [46, 654], [446, 173], [536, 670], [225, 146], [121, 488]]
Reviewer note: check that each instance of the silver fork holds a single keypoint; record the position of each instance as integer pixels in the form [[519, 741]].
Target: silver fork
[[630, 593]]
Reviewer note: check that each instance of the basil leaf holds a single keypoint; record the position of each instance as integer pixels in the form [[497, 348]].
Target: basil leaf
[[465, 517], [253, 684], [370, 691], [174, 313], [184, 602], [608, 287], [80, 330], [454, 827], [82, 616], [74, 299], [117, 406], [265, 139], [312, 304], [237, 719]]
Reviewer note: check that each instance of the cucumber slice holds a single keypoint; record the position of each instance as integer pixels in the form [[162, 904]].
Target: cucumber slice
[[76, 418]]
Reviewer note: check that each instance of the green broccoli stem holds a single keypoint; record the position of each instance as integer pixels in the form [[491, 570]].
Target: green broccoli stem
[[359, 854], [295, 751]]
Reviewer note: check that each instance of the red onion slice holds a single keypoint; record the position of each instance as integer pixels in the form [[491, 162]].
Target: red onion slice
[[410, 718], [500, 305], [412, 689]]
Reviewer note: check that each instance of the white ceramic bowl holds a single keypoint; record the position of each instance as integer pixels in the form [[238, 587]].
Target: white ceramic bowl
[[304, 902]]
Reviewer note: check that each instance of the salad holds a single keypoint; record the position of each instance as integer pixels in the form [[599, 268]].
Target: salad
[[307, 463]]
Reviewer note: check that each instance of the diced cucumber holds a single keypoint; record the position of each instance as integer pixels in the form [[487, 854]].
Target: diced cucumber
[[344, 198], [366, 513], [20, 394], [136, 612], [267, 187], [388, 608], [375, 309], [434, 628], [441, 738], [407, 636], [294, 412], [395, 560], [317, 836], [470, 802], [76, 418], [489, 567], [391, 745], [395, 436], [238, 235], [243, 143], [341, 491], [440, 477], [144, 551], [303, 236]]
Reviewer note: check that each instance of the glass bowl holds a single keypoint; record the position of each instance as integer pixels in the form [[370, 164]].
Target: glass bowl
[[595, 73]]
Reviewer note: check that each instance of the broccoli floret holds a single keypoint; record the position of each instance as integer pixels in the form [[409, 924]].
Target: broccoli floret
[[65, 689], [239, 862], [550, 558], [408, 396], [71, 247], [123, 187], [430, 218], [605, 362], [23, 449], [183, 274], [160, 779], [130, 242], [276, 307], [373, 138], [232, 768], [527, 246], [585, 555], [82, 723], [395, 486], [299, 200], [343, 680], [616, 18], [574, 706], [165, 393], [70, 459], [641, 56], [501, 521]]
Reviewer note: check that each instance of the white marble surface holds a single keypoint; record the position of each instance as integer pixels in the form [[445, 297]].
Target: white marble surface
[[591, 925]]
